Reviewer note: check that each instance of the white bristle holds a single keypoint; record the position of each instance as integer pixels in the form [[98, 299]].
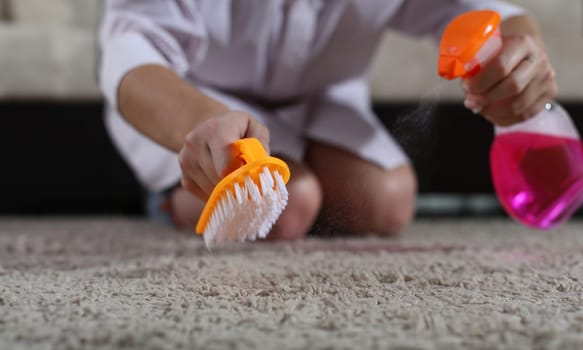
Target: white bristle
[[252, 189], [249, 211]]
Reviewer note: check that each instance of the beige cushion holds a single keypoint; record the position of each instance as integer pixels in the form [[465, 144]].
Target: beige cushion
[[47, 62], [78, 13], [41, 56]]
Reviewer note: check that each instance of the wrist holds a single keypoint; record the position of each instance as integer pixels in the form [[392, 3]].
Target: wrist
[[162, 106], [191, 107]]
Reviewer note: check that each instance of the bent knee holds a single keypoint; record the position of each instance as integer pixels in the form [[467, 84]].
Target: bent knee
[[305, 201], [394, 202]]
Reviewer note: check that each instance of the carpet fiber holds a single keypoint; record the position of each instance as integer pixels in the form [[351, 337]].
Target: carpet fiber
[[120, 283]]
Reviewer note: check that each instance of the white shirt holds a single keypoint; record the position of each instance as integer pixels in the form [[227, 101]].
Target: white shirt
[[270, 49]]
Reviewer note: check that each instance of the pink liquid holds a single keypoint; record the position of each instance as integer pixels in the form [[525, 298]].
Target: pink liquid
[[538, 178]]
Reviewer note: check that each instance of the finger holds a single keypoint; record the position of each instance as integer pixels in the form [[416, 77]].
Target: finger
[[197, 175], [502, 114], [206, 164], [496, 117], [259, 131], [228, 129], [532, 94], [514, 51], [197, 154], [192, 168], [537, 106], [193, 188], [524, 76]]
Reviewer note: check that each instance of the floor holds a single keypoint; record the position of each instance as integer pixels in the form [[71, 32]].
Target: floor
[[112, 283]]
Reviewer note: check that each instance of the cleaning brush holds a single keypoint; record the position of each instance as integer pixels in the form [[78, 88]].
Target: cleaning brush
[[245, 204]]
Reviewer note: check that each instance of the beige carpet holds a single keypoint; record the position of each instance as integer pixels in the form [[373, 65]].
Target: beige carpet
[[118, 283]]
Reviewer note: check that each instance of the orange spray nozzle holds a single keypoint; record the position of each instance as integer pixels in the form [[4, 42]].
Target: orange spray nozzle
[[462, 39]]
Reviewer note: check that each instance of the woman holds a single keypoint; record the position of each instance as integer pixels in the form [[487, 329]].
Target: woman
[[184, 79]]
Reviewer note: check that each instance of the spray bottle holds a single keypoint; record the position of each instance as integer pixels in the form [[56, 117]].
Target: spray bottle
[[537, 164]]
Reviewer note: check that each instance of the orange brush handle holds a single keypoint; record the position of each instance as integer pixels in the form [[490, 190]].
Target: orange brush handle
[[249, 159]]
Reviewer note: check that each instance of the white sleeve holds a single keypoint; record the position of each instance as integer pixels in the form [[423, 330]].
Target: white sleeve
[[430, 17], [136, 32]]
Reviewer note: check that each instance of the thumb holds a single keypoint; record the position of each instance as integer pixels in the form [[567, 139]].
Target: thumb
[[232, 127], [259, 131]]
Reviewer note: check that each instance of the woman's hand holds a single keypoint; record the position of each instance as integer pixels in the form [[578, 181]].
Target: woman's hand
[[518, 82], [176, 115], [206, 152]]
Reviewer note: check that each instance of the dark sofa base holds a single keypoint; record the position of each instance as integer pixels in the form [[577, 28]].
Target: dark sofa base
[[57, 158]]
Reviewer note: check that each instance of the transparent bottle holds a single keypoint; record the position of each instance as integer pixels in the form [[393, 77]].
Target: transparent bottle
[[536, 165]]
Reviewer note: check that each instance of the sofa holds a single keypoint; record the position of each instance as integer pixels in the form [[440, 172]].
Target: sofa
[[49, 97], [48, 51]]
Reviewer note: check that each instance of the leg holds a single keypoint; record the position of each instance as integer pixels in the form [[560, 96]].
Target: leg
[[360, 197], [305, 197], [305, 201]]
